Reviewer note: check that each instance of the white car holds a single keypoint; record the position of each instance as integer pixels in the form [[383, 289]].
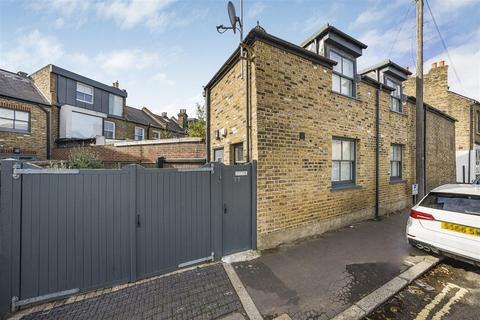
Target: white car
[[447, 222]]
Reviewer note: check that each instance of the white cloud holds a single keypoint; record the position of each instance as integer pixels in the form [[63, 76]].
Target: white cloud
[[120, 61], [256, 9], [32, 51], [130, 13]]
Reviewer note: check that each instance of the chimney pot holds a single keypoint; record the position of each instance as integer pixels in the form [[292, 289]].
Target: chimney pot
[[434, 65], [442, 63], [115, 84], [183, 118]]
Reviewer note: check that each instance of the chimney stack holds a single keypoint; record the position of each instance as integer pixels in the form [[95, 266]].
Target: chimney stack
[[164, 114], [442, 63], [434, 65], [183, 118], [115, 84]]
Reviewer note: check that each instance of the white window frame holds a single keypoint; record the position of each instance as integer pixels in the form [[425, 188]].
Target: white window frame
[[156, 132], [79, 84], [114, 129], [14, 120], [135, 134], [111, 103]]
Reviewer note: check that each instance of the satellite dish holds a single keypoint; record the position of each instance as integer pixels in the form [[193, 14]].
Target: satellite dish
[[232, 15]]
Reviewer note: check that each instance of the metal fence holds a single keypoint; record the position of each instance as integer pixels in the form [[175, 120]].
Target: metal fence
[[64, 231]]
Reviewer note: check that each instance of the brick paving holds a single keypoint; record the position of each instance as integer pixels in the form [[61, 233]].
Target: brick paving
[[202, 293]]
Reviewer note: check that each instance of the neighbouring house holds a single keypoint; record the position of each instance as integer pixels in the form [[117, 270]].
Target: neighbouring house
[[466, 110], [53, 110], [24, 118], [332, 146], [83, 108]]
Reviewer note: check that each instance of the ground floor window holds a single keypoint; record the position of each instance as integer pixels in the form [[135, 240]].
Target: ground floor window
[[238, 153], [343, 161], [139, 133], [85, 126], [155, 135], [14, 120], [218, 155], [109, 130], [396, 161]]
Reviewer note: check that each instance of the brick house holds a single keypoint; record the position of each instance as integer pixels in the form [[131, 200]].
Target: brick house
[[76, 111], [332, 146], [24, 118], [466, 110]]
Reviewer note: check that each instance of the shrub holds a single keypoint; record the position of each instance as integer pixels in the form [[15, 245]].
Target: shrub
[[83, 158]]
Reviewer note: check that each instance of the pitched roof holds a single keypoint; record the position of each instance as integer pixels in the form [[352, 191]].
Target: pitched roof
[[19, 87], [138, 116], [329, 28], [386, 63], [169, 123], [259, 34]]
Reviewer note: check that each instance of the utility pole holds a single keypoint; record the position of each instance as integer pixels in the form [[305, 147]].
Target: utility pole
[[420, 112]]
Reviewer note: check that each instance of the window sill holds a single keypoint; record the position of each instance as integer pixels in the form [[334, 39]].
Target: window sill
[[114, 117], [15, 131], [345, 96], [347, 186], [399, 113], [397, 180], [87, 102]]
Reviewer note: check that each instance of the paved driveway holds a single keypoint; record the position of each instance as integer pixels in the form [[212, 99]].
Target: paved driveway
[[319, 278], [202, 293]]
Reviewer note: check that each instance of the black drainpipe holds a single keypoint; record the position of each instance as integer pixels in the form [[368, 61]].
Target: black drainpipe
[[377, 152], [470, 142], [206, 94], [47, 113], [247, 113]]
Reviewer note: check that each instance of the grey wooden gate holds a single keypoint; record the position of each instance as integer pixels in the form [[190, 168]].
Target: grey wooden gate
[[63, 231], [173, 219]]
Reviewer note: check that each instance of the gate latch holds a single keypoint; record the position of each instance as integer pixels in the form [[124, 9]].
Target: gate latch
[[224, 208], [137, 220]]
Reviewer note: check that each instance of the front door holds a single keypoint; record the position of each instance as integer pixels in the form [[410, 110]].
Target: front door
[[237, 208]]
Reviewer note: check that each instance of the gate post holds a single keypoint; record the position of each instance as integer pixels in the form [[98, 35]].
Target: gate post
[[253, 201], [10, 234], [132, 173], [216, 212]]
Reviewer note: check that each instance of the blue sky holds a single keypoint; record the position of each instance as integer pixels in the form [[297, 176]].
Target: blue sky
[[163, 51]]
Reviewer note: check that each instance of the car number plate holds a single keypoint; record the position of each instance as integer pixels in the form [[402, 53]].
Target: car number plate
[[462, 229]]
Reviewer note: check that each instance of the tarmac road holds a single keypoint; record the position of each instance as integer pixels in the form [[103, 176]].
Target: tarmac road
[[450, 291]]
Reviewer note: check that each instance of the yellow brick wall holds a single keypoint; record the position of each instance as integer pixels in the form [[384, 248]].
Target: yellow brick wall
[[34, 141], [294, 176], [290, 95], [437, 94]]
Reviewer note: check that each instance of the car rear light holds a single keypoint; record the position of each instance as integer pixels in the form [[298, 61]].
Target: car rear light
[[421, 215]]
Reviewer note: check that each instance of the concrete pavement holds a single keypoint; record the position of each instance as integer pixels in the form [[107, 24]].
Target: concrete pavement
[[319, 278]]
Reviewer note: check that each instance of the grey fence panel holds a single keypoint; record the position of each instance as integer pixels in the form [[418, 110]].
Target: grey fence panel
[[62, 231], [173, 211], [75, 231]]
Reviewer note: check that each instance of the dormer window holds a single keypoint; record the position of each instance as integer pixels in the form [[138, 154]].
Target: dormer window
[[84, 93], [396, 95], [343, 77], [115, 105]]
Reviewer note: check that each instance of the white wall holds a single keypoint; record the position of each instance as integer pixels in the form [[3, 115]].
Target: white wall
[[462, 160]]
